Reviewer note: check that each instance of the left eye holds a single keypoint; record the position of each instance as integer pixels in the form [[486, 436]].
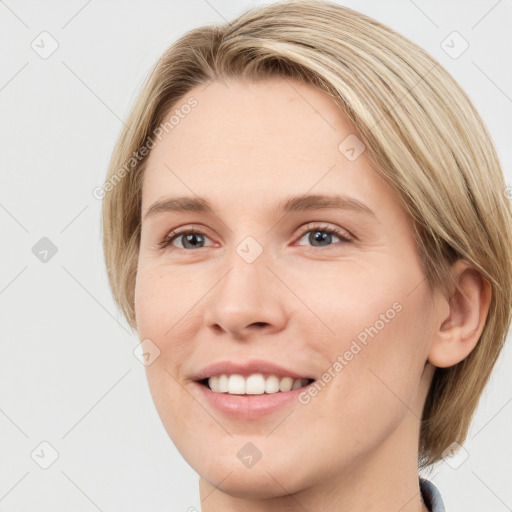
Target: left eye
[[322, 237]]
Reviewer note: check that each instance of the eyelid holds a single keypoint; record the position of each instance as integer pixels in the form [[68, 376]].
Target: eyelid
[[178, 231], [323, 226]]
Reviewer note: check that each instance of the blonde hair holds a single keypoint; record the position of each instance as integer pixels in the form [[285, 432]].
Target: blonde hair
[[421, 131]]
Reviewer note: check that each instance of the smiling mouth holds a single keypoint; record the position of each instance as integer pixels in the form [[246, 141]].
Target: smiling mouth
[[255, 384]]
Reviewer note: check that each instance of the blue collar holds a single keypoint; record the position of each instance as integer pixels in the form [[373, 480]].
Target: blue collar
[[431, 496]]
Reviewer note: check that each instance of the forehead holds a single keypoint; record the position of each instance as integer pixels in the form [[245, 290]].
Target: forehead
[[246, 142]]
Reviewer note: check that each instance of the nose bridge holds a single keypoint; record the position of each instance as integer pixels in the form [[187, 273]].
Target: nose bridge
[[246, 276], [246, 294]]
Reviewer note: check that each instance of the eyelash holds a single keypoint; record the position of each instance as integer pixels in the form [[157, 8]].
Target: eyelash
[[173, 235]]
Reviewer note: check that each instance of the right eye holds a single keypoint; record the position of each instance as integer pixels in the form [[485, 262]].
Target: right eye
[[190, 239]]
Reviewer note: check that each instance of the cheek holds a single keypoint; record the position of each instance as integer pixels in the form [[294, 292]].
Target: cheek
[[348, 299], [383, 362], [379, 333], [168, 312], [162, 299], [158, 310]]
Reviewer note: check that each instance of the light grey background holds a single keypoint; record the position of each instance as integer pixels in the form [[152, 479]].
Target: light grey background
[[68, 374]]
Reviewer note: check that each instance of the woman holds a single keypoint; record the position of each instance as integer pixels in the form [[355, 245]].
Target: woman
[[306, 223]]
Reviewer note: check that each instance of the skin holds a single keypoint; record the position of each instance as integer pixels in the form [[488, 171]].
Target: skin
[[244, 148]]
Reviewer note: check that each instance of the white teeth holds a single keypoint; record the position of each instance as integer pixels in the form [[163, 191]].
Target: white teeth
[[236, 385], [285, 384], [296, 384], [255, 384], [223, 384], [272, 384], [214, 382]]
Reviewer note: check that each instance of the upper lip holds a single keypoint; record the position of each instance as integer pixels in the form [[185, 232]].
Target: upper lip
[[247, 368]]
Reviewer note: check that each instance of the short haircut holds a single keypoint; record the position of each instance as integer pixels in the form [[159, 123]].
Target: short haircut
[[422, 134]]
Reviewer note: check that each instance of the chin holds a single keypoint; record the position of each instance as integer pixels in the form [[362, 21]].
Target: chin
[[269, 477], [251, 483]]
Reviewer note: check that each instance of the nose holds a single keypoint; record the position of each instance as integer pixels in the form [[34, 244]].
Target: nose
[[248, 300]]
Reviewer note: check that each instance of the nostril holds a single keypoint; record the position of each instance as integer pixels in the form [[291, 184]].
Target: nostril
[[259, 324]]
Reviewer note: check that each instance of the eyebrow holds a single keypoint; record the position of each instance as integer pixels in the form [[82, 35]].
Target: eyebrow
[[291, 204]]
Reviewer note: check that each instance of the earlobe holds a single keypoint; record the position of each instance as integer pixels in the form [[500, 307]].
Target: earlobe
[[458, 331]]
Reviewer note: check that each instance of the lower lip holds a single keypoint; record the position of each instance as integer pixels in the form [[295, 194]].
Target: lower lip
[[249, 406]]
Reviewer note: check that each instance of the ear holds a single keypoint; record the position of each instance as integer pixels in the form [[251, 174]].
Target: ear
[[461, 317]]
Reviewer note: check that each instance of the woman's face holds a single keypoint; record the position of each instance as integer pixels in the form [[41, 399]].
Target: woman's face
[[284, 288]]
